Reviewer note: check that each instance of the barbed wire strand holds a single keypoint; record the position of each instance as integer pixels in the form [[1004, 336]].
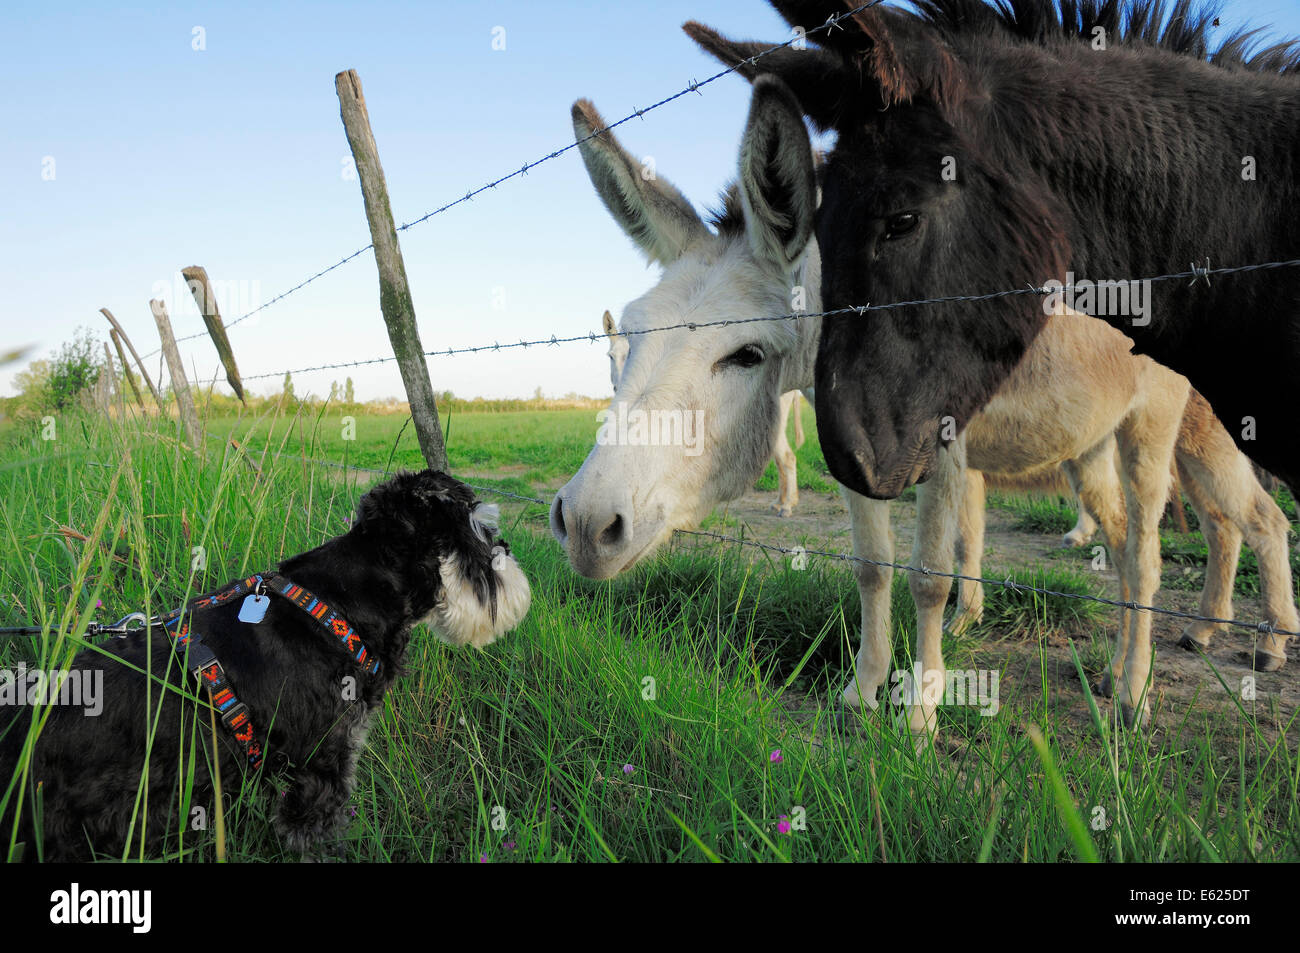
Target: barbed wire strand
[[693, 87], [1259, 628], [858, 310]]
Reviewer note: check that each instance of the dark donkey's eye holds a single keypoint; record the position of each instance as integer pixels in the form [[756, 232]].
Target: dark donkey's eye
[[748, 356], [900, 225]]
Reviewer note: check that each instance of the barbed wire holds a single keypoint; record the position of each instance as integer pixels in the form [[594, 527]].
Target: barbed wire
[[694, 86], [1194, 273], [1259, 628]]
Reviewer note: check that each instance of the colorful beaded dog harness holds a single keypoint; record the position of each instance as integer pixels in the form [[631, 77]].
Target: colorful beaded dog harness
[[202, 661]]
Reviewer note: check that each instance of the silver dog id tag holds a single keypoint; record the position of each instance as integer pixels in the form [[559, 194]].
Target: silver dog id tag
[[254, 608]]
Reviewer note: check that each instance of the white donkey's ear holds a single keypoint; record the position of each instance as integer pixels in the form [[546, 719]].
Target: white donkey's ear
[[619, 348], [653, 213], [778, 184]]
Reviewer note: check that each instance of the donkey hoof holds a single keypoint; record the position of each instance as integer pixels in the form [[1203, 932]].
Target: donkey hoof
[[855, 696], [1193, 644], [1134, 717], [845, 720], [1106, 687], [960, 624], [1074, 539], [1268, 661]]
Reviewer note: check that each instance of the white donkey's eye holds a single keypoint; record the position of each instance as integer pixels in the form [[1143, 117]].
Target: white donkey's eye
[[750, 355]]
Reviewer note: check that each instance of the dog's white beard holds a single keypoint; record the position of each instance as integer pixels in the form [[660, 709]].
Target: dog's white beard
[[461, 619]]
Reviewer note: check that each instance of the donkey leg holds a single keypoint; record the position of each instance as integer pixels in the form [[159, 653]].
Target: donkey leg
[[938, 508], [1146, 445], [1220, 480], [1095, 481], [872, 539], [1085, 527], [970, 554], [786, 470], [1223, 542]]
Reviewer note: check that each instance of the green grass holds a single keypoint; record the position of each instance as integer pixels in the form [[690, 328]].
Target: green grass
[[744, 656], [1035, 514], [535, 447], [1187, 554]]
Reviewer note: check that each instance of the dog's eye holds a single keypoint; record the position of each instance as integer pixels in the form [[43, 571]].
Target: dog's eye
[[900, 225], [751, 355]]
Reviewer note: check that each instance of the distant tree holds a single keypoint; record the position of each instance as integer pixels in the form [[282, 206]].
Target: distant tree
[[537, 394], [74, 369], [33, 381], [349, 397], [288, 384], [334, 391]]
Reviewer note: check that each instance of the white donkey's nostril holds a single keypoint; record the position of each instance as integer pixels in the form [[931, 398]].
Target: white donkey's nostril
[[614, 534], [558, 529]]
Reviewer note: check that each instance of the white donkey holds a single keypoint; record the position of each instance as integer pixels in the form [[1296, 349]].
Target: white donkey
[[1079, 399], [787, 466]]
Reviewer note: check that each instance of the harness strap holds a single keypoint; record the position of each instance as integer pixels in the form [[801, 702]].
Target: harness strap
[[202, 661], [327, 618]]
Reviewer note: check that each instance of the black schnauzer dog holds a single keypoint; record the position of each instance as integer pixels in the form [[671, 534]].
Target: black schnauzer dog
[[290, 666]]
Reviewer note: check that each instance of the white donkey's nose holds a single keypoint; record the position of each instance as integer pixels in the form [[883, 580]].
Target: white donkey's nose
[[596, 536]]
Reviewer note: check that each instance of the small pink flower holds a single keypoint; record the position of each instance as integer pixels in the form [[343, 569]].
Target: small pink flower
[[99, 603], [509, 845], [482, 858], [628, 769], [775, 756], [783, 825]]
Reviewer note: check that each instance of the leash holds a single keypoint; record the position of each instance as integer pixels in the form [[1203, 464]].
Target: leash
[[127, 625], [200, 661]]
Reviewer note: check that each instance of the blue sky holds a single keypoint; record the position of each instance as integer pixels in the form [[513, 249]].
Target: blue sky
[[232, 157]]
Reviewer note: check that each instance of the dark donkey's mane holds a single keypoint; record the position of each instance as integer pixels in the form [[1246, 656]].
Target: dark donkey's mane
[[1186, 29], [1114, 158]]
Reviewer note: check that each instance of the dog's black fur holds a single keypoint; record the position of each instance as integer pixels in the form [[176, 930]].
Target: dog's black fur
[[383, 576]]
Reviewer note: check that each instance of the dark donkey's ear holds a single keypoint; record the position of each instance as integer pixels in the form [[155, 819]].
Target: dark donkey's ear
[[653, 213], [816, 77], [778, 183], [863, 37]]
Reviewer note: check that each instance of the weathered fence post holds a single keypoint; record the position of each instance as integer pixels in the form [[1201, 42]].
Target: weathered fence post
[[126, 367], [394, 295], [139, 363], [180, 386], [197, 278]]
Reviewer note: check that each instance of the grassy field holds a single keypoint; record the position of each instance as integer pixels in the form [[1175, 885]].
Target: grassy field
[[678, 713]]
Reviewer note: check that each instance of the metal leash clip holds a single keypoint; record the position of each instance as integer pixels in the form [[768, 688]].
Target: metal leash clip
[[127, 625]]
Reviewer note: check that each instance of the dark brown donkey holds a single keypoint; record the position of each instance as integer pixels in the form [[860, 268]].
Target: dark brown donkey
[[986, 148]]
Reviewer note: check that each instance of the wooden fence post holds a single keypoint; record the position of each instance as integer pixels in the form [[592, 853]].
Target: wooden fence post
[[139, 363], [180, 386], [394, 294], [126, 367], [197, 278]]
